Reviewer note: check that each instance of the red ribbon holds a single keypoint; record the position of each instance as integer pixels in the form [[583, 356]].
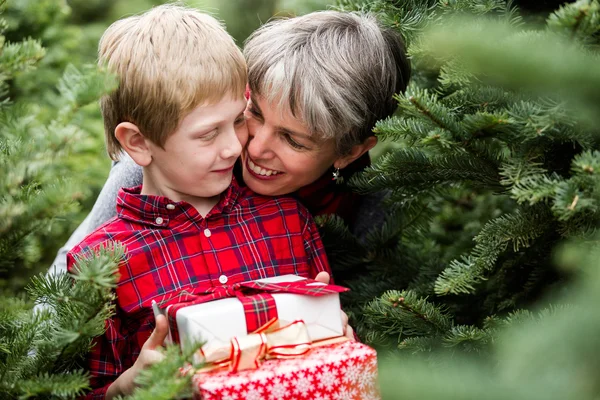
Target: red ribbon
[[256, 298]]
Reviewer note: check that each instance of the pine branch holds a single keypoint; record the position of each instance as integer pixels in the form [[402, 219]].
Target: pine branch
[[81, 87], [468, 339], [587, 164], [65, 386], [535, 188], [493, 51], [570, 200], [20, 57], [481, 98], [414, 169], [420, 344], [520, 229], [166, 380], [46, 346], [420, 103], [579, 20], [403, 314]]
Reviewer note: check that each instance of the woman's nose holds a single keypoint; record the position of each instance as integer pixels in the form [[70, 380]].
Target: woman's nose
[[259, 141]]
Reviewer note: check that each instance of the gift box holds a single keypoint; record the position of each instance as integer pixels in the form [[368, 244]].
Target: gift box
[[236, 310], [346, 370]]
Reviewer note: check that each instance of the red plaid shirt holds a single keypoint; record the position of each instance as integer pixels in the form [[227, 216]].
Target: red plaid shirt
[[171, 248]]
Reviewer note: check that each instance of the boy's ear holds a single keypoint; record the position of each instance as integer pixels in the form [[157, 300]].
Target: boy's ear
[[357, 151], [134, 143]]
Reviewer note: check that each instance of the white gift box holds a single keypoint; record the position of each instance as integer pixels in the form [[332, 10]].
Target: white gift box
[[223, 319]]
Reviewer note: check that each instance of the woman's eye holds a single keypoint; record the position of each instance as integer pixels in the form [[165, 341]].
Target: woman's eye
[[254, 112], [293, 143]]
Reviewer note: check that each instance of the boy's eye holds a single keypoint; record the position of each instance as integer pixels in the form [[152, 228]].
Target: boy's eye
[[241, 119], [209, 135]]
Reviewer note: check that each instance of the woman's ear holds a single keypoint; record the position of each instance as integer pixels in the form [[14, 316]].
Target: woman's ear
[[357, 151], [134, 143]]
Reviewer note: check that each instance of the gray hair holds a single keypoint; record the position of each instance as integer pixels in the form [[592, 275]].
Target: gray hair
[[336, 71]]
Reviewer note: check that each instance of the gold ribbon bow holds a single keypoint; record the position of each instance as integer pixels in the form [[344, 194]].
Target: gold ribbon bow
[[248, 352]]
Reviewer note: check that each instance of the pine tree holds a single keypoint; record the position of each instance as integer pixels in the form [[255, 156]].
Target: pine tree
[[41, 352], [36, 142], [486, 173]]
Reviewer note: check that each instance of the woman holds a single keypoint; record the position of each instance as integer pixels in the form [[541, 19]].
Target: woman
[[318, 84]]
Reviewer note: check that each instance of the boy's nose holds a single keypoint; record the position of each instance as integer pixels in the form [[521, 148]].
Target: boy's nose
[[231, 146], [233, 149]]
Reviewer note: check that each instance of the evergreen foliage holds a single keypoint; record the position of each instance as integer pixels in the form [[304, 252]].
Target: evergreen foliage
[[546, 354], [41, 352], [169, 379], [493, 163], [35, 143]]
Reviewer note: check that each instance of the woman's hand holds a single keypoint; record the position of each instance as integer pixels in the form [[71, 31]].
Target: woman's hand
[[149, 355], [324, 277]]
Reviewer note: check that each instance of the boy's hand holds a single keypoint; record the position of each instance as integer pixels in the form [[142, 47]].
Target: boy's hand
[[324, 277], [124, 385]]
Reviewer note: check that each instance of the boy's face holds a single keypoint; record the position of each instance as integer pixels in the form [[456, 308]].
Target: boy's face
[[197, 159]]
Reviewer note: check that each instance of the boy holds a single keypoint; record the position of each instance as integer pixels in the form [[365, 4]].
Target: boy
[[178, 112]]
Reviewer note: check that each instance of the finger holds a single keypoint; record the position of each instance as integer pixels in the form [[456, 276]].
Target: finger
[[160, 332], [153, 357], [344, 319], [349, 333], [322, 277]]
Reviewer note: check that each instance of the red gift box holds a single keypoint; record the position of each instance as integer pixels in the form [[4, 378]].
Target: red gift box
[[345, 370]]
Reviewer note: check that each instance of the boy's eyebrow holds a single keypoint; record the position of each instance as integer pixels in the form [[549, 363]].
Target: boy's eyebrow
[[285, 130]]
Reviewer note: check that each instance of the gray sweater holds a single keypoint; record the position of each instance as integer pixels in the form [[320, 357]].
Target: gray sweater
[[126, 173]]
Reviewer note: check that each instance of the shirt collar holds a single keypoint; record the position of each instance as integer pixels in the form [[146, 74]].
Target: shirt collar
[[159, 211]]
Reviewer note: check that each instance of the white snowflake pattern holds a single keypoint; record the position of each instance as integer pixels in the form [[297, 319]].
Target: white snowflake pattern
[[309, 363], [228, 394], [253, 394], [353, 373], [278, 390], [229, 397], [327, 379], [367, 379], [345, 393], [361, 352], [262, 375], [370, 395], [302, 385]]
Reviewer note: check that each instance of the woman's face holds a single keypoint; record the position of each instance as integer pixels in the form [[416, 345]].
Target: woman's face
[[281, 156]]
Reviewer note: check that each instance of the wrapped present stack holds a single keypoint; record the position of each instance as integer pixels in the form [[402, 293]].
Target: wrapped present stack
[[276, 338]]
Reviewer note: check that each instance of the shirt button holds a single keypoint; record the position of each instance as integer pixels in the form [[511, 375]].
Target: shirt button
[[170, 207], [207, 233], [223, 279], [159, 220]]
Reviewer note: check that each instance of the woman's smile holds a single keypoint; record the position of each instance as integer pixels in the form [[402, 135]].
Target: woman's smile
[[259, 171]]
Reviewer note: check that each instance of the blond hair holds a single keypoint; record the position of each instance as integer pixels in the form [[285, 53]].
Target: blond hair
[[337, 72], [168, 60]]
